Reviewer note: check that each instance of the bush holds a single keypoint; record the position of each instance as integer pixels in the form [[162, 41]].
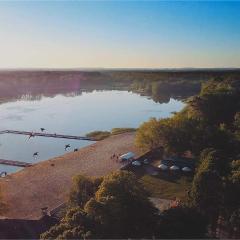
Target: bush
[[115, 131], [98, 135]]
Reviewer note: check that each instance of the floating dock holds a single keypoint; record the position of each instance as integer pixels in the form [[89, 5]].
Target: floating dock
[[15, 163], [43, 134]]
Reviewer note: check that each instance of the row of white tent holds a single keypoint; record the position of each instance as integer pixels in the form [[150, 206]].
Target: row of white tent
[[127, 156], [131, 155], [174, 168]]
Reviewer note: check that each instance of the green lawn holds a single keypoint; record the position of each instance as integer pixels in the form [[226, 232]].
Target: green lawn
[[166, 188]]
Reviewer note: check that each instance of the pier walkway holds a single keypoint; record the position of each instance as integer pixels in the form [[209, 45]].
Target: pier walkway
[[43, 134], [14, 163]]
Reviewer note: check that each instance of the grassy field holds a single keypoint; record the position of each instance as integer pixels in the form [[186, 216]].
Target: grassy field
[[115, 131], [166, 188], [100, 135]]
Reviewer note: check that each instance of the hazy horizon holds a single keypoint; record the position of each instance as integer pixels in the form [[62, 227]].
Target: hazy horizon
[[119, 68]]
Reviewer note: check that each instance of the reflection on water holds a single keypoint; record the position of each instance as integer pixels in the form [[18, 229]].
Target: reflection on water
[[73, 115], [68, 103], [34, 85]]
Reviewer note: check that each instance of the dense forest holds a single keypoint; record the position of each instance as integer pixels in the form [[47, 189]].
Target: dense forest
[[117, 206], [209, 128], [161, 85]]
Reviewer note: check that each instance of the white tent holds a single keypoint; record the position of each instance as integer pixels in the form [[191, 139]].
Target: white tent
[[127, 156], [163, 167], [136, 163], [186, 169], [145, 161], [174, 168]]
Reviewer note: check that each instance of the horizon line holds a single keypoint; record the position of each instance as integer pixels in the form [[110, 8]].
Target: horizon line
[[116, 68]]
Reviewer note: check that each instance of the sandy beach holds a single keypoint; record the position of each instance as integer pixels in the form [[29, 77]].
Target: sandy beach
[[47, 184]]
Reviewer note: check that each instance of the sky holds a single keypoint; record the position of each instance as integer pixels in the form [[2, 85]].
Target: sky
[[119, 34]]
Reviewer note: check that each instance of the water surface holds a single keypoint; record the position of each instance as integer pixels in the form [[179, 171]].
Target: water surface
[[74, 115]]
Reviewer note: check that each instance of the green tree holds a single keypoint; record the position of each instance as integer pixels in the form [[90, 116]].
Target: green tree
[[83, 189], [122, 209], [182, 222], [207, 190], [207, 185], [75, 225], [217, 103], [152, 134], [232, 190], [206, 121]]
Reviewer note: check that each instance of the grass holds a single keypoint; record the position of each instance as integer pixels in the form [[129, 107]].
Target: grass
[[166, 188], [115, 131], [100, 135]]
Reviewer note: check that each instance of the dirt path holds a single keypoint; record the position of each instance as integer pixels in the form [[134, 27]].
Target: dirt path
[[47, 183]]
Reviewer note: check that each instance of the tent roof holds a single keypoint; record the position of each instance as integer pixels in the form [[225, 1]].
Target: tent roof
[[174, 167], [186, 169], [127, 155], [163, 167], [136, 163]]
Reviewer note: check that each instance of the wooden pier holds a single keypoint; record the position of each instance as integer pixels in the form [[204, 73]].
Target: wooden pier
[[43, 134], [15, 163]]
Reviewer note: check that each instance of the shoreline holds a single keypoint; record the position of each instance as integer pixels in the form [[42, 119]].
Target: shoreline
[[47, 183]]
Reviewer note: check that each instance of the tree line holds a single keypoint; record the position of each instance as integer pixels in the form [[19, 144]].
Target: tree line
[[117, 207], [208, 127]]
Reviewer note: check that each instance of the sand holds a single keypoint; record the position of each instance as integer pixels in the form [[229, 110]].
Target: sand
[[43, 185]]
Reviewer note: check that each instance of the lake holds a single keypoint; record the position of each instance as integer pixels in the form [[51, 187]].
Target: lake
[[73, 114]]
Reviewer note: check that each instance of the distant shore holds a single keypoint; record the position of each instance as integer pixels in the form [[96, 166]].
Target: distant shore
[[47, 183]]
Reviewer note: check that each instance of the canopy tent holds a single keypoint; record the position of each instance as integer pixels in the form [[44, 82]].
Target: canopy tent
[[163, 167], [186, 169], [174, 168], [127, 156], [145, 161], [136, 163]]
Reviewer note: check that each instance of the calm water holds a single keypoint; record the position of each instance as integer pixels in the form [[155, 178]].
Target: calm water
[[76, 115]]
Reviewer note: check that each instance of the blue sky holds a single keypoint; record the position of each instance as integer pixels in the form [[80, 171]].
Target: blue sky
[[144, 34]]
